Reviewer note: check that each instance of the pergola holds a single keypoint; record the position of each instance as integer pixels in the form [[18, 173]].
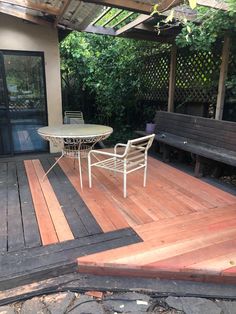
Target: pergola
[[120, 18]]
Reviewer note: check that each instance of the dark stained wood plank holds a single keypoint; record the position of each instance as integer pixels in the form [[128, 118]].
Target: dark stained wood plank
[[66, 196], [3, 206], [30, 225], [58, 218], [95, 208], [61, 259], [46, 227], [14, 216], [76, 211]]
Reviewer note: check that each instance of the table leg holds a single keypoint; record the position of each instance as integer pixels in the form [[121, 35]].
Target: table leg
[[80, 172], [62, 155]]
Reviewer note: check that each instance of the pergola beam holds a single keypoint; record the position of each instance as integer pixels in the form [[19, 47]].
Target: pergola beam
[[25, 16], [62, 11], [140, 7], [140, 19], [42, 7]]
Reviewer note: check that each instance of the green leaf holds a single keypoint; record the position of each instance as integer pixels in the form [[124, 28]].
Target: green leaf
[[170, 17], [189, 30], [193, 4]]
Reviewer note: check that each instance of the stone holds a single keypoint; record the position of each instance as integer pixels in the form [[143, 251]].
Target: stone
[[129, 302], [191, 305], [228, 307], [84, 304], [58, 303], [7, 309], [33, 306]]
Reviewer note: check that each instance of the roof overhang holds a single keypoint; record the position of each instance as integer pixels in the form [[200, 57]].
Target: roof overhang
[[122, 18]]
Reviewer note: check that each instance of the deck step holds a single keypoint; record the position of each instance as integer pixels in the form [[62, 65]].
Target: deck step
[[132, 271], [44, 262]]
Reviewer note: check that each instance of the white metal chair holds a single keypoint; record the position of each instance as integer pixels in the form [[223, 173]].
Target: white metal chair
[[73, 117], [133, 158]]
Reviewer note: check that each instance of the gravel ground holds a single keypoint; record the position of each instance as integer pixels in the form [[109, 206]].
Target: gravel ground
[[111, 303]]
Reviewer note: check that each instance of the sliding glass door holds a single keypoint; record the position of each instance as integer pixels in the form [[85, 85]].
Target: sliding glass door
[[25, 102], [5, 127]]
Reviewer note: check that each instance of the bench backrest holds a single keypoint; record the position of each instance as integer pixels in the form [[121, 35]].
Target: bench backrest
[[207, 131]]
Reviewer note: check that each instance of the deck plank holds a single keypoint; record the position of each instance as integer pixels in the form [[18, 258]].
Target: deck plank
[[46, 227], [67, 196], [30, 225], [15, 222], [81, 209], [59, 221]]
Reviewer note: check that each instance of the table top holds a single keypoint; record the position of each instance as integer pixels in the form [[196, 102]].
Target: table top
[[75, 131]]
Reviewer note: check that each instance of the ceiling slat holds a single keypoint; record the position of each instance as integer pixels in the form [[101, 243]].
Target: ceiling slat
[[25, 16], [140, 19], [141, 7], [43, 7], [62, 11], [112, 18]]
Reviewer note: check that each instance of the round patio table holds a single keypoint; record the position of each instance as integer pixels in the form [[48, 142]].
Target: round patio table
[[76, 140]]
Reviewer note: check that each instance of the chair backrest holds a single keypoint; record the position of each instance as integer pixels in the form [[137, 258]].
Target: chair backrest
[[73, 117], [136, 150]]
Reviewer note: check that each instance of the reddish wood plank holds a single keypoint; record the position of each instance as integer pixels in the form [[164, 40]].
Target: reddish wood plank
[[46, 227], [88, 196], [126, 271], [200, 254], [60, 223]]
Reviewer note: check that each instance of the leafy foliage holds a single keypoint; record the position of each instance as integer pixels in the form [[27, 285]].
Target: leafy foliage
[[110, 71]]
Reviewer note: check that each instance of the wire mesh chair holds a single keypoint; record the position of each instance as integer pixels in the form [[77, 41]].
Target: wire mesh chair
[[133, 158], [73, 117]]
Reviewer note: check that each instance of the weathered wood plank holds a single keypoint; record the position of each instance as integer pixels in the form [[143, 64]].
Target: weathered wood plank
[[27, 268], [66, 196], [87, 223], [30, 225], [14, 216], [59, 221]]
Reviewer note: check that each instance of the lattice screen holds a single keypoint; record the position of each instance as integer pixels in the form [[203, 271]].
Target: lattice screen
[[197, 76], [156, 77]]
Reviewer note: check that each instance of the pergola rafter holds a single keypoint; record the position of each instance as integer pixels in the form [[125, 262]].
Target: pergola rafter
[[27, 4]]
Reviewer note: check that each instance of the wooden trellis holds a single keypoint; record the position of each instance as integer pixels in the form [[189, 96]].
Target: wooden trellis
[[155, 77], [196, 78]]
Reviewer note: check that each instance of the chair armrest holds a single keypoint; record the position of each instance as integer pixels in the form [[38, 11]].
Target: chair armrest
[[94, 151]]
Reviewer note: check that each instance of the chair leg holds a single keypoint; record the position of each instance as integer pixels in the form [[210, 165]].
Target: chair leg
[[80, 173], [89, 171], [145, 176], [125, 185]]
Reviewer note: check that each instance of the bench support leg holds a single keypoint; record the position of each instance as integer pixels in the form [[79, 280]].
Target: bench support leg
[[198, 170], [166, 153]]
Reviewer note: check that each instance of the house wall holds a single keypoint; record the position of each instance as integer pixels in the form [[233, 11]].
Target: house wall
[[16, 34]]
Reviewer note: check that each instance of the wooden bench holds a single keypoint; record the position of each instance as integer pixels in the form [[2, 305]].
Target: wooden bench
[[208, 138]]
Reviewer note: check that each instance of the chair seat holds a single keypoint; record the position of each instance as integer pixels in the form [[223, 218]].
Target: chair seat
[[117, 164], [133, 158]]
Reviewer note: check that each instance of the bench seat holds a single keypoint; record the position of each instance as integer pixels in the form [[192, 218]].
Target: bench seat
[[212, 139]]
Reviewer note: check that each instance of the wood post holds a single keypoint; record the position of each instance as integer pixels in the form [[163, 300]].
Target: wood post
[[172, 79], [222, 79]]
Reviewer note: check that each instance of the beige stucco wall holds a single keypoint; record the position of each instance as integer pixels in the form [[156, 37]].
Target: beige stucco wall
[[16, 34]]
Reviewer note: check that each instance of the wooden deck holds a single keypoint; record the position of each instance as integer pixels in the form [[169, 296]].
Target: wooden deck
[[178, 227]]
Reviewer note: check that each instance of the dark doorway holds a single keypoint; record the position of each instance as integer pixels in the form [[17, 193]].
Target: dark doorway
[[23, 102]]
